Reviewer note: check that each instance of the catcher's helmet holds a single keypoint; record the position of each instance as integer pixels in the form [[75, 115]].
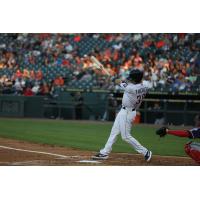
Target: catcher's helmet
[[135, 75]]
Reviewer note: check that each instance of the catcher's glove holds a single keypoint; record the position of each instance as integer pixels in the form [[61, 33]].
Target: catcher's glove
[[161, 131]]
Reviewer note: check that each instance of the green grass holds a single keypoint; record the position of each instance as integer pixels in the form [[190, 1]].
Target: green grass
[[87, 136]]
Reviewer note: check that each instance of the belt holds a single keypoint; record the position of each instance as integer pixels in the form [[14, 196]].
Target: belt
[[123, 107]]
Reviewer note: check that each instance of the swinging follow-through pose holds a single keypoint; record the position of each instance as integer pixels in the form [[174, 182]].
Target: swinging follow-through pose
[[134, 92]]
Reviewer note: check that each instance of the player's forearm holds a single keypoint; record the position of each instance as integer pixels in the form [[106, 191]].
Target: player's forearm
[[179, 133]]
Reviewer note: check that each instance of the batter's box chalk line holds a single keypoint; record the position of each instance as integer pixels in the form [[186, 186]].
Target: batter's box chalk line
[[38, 152], [89, 161]]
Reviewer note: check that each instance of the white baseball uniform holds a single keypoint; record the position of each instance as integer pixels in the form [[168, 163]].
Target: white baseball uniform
[[132, 99]]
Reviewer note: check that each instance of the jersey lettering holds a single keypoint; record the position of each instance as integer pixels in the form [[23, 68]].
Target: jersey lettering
[[140, 98], [133, 95], [141, 90]]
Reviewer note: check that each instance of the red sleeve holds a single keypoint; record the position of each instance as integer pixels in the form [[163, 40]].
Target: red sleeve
[[179, 133]]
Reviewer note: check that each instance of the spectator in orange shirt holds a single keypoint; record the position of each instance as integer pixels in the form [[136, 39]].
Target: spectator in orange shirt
[[26, 73], [59, 81], [56, 81]]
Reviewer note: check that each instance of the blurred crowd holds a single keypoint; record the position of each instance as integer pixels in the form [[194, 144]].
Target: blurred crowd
[[39, 64]]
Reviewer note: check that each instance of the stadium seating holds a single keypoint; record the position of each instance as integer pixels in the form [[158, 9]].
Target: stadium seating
[[47, 53]]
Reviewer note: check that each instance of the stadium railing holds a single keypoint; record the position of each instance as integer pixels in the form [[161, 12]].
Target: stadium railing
[[97, 104]]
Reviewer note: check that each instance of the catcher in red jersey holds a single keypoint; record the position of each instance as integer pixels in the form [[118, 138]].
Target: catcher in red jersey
[[191, 148]]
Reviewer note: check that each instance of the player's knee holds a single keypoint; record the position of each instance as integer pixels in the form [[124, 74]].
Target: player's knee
[[193, 151], [126, 138]]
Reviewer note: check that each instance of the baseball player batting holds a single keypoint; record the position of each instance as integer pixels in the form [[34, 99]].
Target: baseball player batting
[[191, 148], [134, 92]]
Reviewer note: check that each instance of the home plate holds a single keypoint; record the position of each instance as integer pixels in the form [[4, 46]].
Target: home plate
[[89, 161]]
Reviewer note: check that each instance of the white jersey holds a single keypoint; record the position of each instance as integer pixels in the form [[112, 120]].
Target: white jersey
[[133, 94], [132, 98]]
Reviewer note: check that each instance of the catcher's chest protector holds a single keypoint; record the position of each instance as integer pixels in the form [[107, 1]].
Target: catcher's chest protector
[[195, 132], [193, 150]]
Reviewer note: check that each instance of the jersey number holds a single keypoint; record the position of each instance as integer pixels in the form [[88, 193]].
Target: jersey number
[[140, 98]]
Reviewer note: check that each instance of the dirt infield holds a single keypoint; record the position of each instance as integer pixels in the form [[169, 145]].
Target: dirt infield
[[20, 153]]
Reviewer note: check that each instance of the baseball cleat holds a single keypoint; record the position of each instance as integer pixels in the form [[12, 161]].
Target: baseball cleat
[[148, 156], [100, 156]]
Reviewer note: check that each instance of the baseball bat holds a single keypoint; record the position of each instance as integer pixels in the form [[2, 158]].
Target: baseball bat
[[99, 65]]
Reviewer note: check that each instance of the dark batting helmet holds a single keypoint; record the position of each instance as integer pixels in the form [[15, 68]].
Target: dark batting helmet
[[135, 75]]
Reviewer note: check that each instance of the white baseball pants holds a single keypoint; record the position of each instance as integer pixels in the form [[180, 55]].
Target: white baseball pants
[[123, 124]]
